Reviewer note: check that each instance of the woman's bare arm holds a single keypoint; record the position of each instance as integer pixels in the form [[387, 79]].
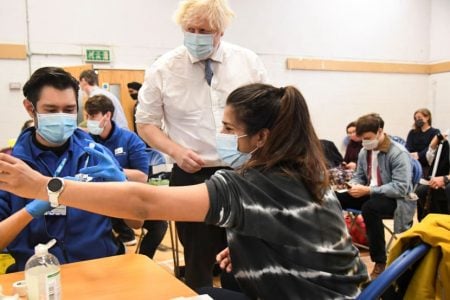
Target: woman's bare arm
[[127, 200]]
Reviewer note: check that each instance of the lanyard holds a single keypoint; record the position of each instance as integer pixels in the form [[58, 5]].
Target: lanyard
[[60, 167]]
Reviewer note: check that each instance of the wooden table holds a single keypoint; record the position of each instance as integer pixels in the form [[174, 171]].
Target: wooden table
[[129, 276]]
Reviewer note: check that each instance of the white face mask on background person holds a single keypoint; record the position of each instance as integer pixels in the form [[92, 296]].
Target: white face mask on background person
[[56, 128], [199, 45], [94, 128], [227, 148], [370, 144]]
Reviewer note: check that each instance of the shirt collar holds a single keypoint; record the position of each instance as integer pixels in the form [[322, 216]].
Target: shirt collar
[[384, 146]]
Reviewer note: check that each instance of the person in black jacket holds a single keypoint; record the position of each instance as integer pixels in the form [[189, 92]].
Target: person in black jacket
[[420, 137], [332, 154]]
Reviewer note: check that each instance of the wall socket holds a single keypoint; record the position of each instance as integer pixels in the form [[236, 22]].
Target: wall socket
[[15, 86]]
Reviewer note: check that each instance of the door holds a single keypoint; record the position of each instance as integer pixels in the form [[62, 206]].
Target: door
[[117, 81], [76, 70]]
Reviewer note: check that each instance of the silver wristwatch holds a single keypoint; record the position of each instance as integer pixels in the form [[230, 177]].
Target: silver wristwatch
[[55, 186]]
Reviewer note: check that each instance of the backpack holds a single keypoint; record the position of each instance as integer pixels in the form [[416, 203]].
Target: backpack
[[356, 228]]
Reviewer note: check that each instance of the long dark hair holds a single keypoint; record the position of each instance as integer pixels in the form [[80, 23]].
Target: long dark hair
[[292, 145]]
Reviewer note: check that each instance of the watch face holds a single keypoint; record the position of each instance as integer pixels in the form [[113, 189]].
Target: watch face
[[55, 184]]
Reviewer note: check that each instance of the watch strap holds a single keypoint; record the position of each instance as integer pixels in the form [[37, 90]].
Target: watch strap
[[53, 199], [53, 195]]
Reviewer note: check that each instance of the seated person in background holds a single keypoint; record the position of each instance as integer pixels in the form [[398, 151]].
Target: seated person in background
[[379, 186], [286, 235], [127, 147], [435, 196], [129, 151], [332, 154], [54, 147], [89, 85], [353, 147], [420, 137], [338, 174]]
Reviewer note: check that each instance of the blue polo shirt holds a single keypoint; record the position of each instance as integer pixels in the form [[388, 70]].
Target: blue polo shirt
[[80, 235], [127, 147]]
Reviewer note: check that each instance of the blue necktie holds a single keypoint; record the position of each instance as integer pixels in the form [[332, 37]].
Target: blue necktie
[[208, 71]]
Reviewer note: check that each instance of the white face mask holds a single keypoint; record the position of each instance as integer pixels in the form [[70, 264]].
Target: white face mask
[[94, 128], [370, 144]]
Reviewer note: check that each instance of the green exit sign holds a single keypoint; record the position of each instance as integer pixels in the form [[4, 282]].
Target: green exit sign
[[98, 55]]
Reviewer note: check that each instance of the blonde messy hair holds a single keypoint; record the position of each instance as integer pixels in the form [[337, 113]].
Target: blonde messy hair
[[217, 12]]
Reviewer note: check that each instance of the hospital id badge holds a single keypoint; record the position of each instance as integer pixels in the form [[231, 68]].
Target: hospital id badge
[[57, 211]]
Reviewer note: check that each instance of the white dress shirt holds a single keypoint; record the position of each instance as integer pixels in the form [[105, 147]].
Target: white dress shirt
[[119, 115], [175, 92], [374, 169]]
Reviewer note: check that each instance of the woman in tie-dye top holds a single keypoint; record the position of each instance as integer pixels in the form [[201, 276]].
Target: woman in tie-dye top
[[287, 238]]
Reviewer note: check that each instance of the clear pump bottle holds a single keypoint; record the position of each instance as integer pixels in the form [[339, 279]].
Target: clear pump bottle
[[42, 274]]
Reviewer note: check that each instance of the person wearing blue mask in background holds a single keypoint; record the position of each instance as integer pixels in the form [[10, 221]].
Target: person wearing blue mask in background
[[180, 107], [55, 147], [287, 237], [129, 150]]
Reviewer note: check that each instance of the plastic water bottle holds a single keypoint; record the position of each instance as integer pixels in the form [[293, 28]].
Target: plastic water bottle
[[42, 274]]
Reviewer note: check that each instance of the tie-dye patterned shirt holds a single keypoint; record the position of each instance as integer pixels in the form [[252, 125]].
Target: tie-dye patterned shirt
[[282, 244]]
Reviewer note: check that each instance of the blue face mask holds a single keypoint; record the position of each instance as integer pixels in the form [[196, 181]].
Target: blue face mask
[[56, 128], [227, 148], [199, 45], [94, 128]]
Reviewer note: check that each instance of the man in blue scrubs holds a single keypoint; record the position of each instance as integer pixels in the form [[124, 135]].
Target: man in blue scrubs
[[54, 147]]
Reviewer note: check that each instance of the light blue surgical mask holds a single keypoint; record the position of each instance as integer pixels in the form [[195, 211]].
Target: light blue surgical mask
[[56, 128], [227, 148], [94, 128], [200, 46]]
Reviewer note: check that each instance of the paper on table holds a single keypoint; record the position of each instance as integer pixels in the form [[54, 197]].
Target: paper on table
[[424, 181]]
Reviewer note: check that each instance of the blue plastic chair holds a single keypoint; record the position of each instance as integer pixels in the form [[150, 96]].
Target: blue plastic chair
[[155, 158], [417, 171], [400, 265]]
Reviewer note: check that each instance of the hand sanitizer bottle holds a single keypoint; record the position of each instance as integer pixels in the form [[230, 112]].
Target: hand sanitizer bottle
[[42, 274]]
